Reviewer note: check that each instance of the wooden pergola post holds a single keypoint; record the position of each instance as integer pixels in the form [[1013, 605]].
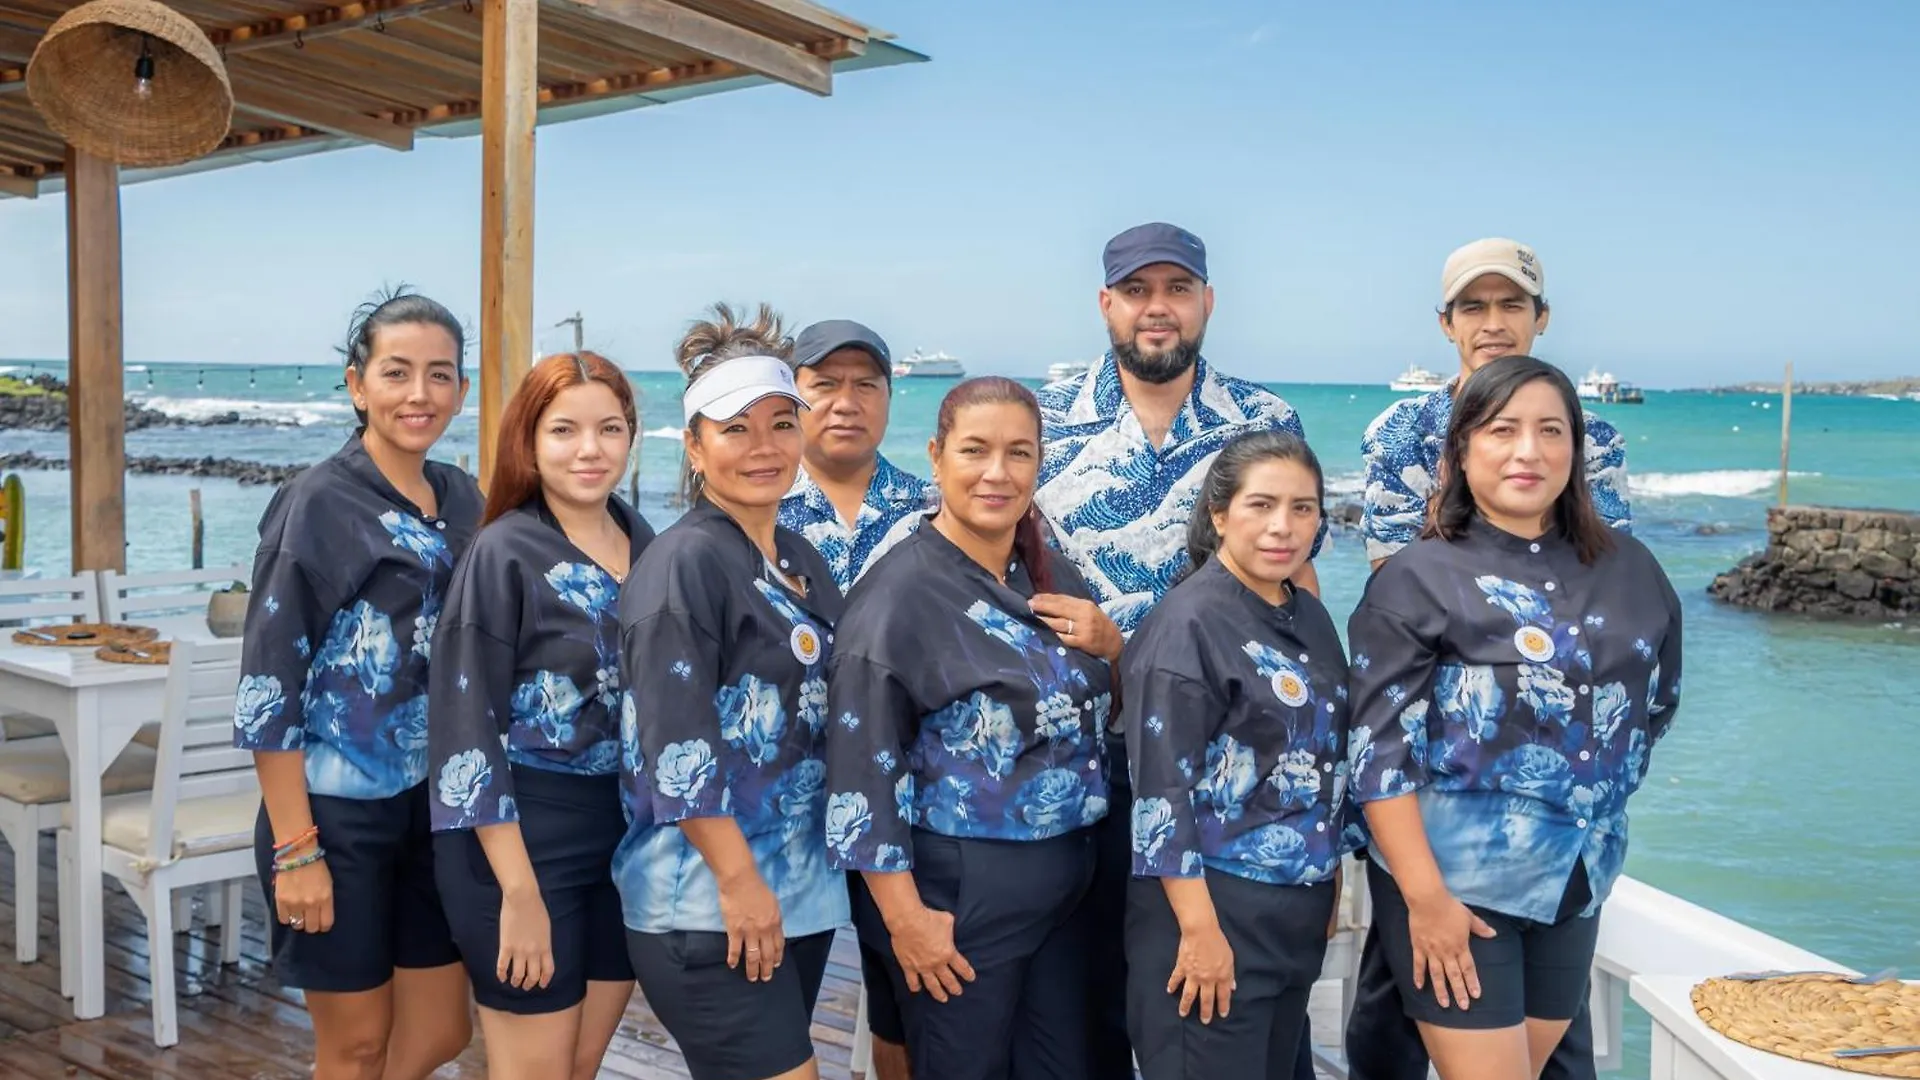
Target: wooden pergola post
[[96, 407], [509, 88]]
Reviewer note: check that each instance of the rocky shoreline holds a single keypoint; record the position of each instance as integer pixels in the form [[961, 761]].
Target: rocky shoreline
[[1821, 561], [1869, 388], [244, 472], [39, 403]]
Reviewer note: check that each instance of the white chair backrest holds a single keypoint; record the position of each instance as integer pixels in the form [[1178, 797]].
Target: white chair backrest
[[176, 592], [61, 599], [197, 757]]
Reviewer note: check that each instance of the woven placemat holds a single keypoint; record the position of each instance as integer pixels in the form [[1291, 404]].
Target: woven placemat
[[1807, 1017], [139, 652], [89, 635]]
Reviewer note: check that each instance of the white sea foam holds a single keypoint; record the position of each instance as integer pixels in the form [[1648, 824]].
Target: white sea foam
[[301, 413], [662, 433], [1730, 483]]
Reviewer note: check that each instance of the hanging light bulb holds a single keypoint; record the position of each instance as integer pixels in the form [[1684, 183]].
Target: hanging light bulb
[[143, 72]]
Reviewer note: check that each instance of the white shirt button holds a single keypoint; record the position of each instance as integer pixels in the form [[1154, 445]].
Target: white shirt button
[[1088, 706], [439, 524], [1584, 756], [1583, 689], [1062, 650], [1094, 764], [1550, 586], [1573, 631], [783, 566], [829, 639], [1319, 826], [1328, 766], [1303, 658], [1582, 823], [1329, 706], [1535, 548]]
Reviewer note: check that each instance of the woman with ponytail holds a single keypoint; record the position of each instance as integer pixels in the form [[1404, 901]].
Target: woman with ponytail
[[968, 692], [1236, 717]]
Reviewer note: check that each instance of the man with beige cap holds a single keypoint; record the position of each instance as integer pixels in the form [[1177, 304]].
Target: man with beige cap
[[1492, 304]]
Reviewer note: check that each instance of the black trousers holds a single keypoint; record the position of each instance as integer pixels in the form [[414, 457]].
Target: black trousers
[[1104, 914], [1383, 1043], [1015, 906], [1278, 934]]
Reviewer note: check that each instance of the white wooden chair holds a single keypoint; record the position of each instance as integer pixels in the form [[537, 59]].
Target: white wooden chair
[[194, 828], [132, 597], [38, 601]]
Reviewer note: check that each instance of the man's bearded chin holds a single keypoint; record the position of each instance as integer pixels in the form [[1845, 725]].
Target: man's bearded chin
[[1162, 366]]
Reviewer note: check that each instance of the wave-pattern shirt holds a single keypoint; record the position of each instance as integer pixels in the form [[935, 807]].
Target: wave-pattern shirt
[[955, 708], [528, 670], [1236, 725], [1118, 505], [727, 668], [1402, 450], [892, 495], [348, 583], [1519, 692]]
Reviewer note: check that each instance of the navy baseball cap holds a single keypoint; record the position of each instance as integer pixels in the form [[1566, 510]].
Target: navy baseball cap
[[1144, 245], [823, 339]]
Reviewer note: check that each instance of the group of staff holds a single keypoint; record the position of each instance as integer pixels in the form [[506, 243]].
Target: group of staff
[[1066, 734]]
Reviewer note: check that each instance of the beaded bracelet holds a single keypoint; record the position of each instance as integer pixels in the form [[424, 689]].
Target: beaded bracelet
[[314, 856]]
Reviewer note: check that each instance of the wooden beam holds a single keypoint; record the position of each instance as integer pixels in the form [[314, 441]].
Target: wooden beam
[[12, 183], [713, 37], [294, 109], [96, 399], [509, 100], [323, 22]]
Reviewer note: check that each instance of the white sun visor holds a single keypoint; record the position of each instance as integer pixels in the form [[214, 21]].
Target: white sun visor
[[734, 385]]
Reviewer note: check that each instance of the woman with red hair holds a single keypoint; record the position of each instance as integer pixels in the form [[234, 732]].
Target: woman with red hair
[[523, 726]]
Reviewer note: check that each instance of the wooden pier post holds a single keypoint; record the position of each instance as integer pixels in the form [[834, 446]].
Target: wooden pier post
[[1786, 428], [96, 395], [509, 96], [199, 531]]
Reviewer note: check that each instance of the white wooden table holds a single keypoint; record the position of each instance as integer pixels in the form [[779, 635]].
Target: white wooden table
[[97, 707], [1685, 1048]]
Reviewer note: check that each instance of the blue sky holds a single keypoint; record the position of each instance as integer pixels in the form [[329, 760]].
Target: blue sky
[[1714, 188]]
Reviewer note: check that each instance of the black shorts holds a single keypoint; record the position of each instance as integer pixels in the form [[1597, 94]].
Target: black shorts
[[570, 824], [729, 1028], [1529, 969], [1278, 934], [386, 908], [884, 1021]]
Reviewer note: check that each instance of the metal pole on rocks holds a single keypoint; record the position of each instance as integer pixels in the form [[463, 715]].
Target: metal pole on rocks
[[199, 531], [1786, 428]]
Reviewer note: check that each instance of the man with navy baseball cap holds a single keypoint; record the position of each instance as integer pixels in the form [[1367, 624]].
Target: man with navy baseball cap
[[1128, 444]]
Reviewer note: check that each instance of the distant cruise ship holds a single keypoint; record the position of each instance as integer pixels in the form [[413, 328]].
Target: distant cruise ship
[[1067, 369], [936, 365], [1417, 380]]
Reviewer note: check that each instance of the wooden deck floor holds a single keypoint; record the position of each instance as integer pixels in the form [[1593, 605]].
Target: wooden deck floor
[[237, 1023]]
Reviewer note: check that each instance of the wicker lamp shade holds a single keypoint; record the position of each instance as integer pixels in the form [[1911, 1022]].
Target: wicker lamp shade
[[82, 78]]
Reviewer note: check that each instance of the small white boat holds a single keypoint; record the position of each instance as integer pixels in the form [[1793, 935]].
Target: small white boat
[[937, 365], [1603, 387], [1067, 369], [1417, 380]]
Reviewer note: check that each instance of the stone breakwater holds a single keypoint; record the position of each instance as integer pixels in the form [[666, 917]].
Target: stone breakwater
[[244, 472], [1821, 561], [39, 403]]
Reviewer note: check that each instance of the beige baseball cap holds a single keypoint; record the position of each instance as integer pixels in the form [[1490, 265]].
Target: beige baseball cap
[[1510, 259]]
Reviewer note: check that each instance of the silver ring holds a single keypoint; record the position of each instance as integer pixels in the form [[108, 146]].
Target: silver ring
[[751, 952], [295, 921], [1069, 627]]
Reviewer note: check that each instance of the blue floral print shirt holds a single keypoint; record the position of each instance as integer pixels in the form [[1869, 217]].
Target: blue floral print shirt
[[892, 494], [348, 583], [1518, 692], [1402, 449], [528, 669], [1118, 504], [1236, 726], [998, 738], [728, 672]]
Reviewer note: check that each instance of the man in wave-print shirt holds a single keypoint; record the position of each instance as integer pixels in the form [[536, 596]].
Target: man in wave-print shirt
[[1492, 304], [1127, 446], [848, 498]]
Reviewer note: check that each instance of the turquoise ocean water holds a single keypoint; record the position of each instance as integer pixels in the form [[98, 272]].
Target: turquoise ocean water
[[1785, 796]]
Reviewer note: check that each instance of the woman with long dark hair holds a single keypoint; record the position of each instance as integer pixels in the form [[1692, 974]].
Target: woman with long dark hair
[[523, 726], [1512, 670], [1236, 718], [963, 758], [727, 626], [355, 558]]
